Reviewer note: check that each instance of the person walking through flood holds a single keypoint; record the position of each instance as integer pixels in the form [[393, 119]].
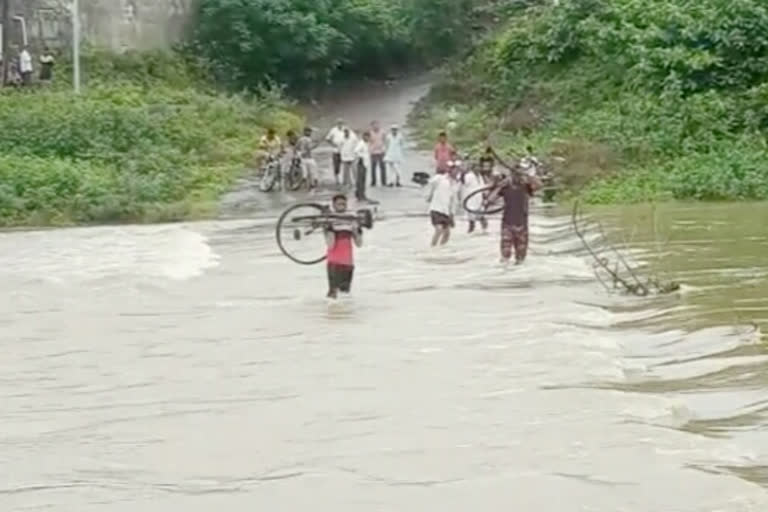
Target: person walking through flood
[[443, 152], [516, 191], [472, 181], [340, 237], [442, 196], [335, 138], [378, 149], [393, 156]]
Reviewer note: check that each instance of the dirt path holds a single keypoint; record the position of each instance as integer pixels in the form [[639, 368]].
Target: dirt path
[[389, 103]]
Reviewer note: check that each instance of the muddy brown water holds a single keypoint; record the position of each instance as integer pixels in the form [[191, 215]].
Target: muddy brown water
[[191, 367]]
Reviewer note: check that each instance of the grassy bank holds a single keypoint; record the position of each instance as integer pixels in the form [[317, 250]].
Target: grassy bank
[[642, 100], [147, 140]]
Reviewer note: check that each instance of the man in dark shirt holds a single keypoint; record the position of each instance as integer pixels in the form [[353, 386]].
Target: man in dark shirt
[[516, 191]]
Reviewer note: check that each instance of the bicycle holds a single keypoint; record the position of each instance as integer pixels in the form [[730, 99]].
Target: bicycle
[[294, 178], [304, 219], [271, 174]]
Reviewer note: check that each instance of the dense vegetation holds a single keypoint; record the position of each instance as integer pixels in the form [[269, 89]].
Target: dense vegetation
[[153, 144], [305, 44], [154, 137], [643, 99]]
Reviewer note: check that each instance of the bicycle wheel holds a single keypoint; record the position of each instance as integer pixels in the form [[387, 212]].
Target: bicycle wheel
[[490, 209], [268, 179], [299, 233], [295, 177]]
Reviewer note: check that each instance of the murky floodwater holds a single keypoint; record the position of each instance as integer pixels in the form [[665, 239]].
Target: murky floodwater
[[191, 367]]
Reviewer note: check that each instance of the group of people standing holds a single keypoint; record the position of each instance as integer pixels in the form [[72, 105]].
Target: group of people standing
[[21, 68], [356, 155], [453, 184]]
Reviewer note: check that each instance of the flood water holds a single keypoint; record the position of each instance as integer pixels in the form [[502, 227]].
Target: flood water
[[192, 367]]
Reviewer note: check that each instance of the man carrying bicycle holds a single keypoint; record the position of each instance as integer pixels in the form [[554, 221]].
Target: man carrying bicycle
[[341, 238]]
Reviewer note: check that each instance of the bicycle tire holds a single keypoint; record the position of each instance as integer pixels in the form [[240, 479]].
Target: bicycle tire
[[295, 177], [278, 232], [268, 179], [483, 190]]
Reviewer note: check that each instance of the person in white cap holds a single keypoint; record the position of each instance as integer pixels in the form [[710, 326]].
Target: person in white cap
[[393, 156]]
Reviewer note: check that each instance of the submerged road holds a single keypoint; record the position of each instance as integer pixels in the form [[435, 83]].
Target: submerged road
[[191, 367]]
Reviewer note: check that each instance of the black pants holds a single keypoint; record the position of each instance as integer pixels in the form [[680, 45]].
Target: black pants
[[360, 181], [339, 278], [336, 164], [377, 161]]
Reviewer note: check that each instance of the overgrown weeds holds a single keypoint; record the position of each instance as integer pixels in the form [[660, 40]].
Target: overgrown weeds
[[643, 100], [125, 152]]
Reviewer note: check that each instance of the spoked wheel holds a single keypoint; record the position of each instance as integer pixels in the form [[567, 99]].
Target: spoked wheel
[[300, 230], [299, 233], [473, 200], [295, 177], [269, 178]]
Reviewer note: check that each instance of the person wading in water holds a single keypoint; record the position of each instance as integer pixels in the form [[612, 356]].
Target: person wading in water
[[516, 191], [472, 181], [442, 195], [443, 152], [340, 236]]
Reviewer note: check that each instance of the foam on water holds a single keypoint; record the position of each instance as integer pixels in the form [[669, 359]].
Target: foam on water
[[172, 252]]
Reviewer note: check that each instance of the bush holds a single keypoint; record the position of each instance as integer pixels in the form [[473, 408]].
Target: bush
[[668, 97], [124, 152], [306, 43]]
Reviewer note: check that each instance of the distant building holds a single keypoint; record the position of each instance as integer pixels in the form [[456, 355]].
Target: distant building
[[115, 24]]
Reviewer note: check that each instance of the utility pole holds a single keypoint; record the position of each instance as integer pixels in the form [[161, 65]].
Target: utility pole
[[5, 19], [75, 44]]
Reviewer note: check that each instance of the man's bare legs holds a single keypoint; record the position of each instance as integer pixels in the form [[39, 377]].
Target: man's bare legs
[[436, 235], [442, 235]]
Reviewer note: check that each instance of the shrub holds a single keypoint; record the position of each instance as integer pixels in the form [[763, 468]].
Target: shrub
[[124, 152], [673, 94], [305, 43]]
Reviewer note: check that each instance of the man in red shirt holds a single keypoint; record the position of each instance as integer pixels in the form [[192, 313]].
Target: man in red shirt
[[340, 236]]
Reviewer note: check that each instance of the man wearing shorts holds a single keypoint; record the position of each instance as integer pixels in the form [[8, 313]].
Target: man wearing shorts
[[442, 195], [340, 236]]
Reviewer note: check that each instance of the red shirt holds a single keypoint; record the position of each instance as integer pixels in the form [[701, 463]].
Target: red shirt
[[340, 253]]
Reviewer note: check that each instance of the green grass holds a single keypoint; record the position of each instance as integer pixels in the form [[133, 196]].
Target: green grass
[[144, 148]]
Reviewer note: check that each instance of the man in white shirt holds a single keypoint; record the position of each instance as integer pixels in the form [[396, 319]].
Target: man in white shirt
[[442, 195], [336, 137], [25, 67], [363, 155], [348, 157]]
